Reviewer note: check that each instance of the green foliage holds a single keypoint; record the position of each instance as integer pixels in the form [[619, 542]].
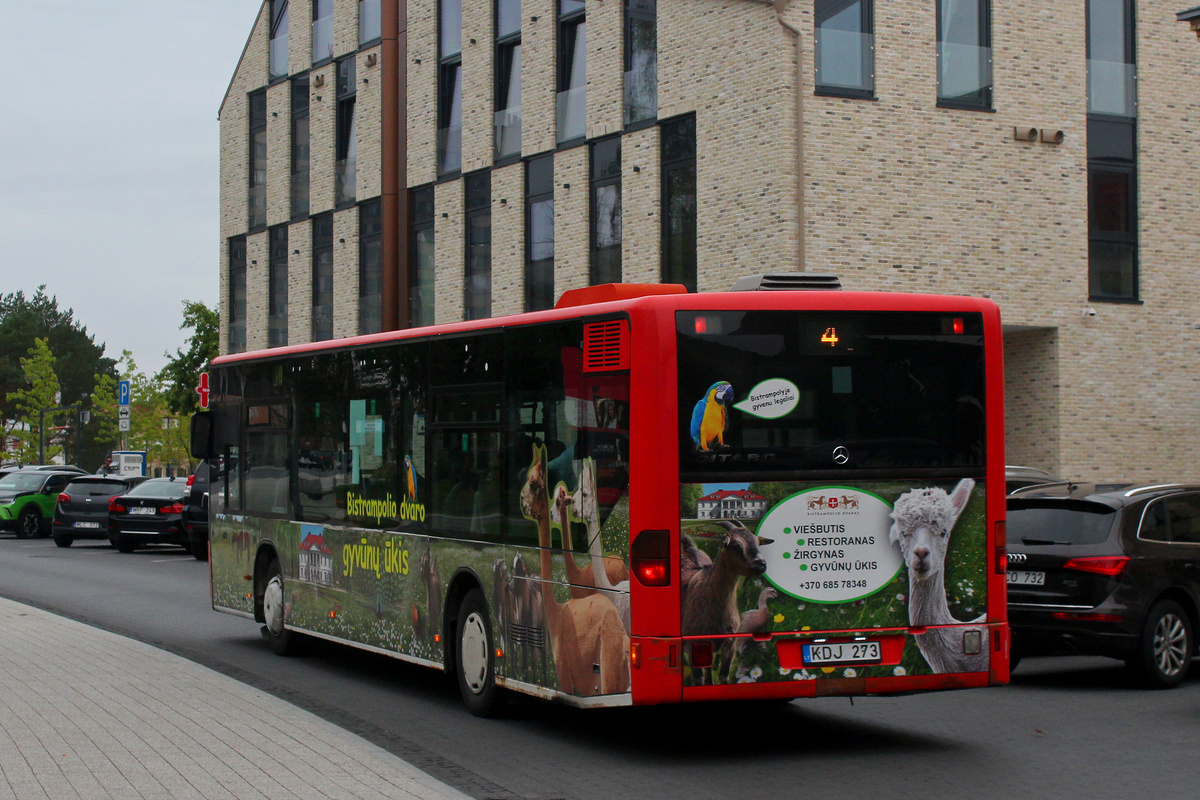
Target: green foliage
[[27, 403], [78, 358], [181, 375], [689, 493], [153, 427]]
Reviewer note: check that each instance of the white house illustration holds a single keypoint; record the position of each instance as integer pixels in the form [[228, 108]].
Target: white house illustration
[[316, 560], [731, 504]]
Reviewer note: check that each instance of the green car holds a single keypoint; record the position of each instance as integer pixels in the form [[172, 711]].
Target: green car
[[27, 499]]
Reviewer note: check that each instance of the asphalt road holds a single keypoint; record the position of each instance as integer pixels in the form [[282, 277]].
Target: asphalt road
[[1065, 728]]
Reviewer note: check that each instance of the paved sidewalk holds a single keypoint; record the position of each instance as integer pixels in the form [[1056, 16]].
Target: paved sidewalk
[[88, 714]]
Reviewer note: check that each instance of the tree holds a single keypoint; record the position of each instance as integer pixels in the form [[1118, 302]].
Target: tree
[[181, 375], [78, 358], [102, 428], [27, 404], [153, 427]]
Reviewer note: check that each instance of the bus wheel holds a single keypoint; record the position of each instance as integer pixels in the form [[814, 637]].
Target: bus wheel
[[475, 656], [199, 550], [282, 641]]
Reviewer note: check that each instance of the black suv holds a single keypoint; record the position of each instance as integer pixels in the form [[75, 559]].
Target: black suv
[[195, 512], [1106, 569]]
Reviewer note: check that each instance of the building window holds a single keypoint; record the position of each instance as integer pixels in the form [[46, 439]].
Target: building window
[[477, 288], [370, 21], [322, 30], [449, 111], [964, 53], [606, 211], [1112, 73], [539, 233], [370, 267], [845, 48], [300, 147], [277, 287], [278, 59], [258, 160], [322, 277], [507, 125], [572, 77], [237, 294], [641, 61], [346, 161], [421, 276], [1112, 152], [679, 201]]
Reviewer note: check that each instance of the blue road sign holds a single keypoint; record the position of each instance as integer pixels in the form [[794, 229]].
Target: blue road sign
[[123, 393]]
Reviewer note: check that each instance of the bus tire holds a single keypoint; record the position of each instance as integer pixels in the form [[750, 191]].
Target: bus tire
[[283, 642], [199, 550], [475, 656]]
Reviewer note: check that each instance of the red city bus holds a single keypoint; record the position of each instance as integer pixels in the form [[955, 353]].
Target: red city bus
[[641, 496]]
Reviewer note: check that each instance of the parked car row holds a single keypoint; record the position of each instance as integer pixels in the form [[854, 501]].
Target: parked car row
[[129, 512]]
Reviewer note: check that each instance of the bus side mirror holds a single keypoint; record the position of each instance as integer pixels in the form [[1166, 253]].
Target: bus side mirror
[[201, 434]]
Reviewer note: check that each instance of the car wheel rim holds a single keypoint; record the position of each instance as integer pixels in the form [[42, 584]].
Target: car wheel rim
[[474, 652], [29, 525], [1170, 645], [273, 605]]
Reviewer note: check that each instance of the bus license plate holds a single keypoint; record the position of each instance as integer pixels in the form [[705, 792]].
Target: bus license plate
[[87, 524], [143, 510], [842, 653], [1027, 578]]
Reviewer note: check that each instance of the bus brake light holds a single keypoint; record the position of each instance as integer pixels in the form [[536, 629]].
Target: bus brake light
[[650, 558]]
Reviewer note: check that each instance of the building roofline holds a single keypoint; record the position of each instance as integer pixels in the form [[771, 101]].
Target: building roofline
[[241, 58], [1190, 14]]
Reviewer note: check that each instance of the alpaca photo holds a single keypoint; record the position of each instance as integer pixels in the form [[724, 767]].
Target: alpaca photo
[[922, 522]]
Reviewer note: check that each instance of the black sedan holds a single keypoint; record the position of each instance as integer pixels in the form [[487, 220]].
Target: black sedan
[[82, 508], [1110, 570], [149, 513]]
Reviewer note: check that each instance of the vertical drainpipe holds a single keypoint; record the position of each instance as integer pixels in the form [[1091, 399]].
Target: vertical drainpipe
[[780, 7], [394, 163]]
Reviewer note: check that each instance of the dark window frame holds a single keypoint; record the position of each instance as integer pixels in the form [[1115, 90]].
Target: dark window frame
[[277, 286], [346, 144], [867, 54], [370, 266], [300, 154], [672, 162], [278, 30], [421, 297], [236, 329], [569, 24], [600, 180], [635, 12], [256, 174], [449, 97], [477, 207], [506, 66], [539, 189], [322, 245], [980, 99]]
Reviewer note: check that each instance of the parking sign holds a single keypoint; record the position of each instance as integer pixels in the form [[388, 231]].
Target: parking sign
[[123, 393]]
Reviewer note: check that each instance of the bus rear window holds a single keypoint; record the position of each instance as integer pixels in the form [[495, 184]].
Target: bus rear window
[[789, 391]]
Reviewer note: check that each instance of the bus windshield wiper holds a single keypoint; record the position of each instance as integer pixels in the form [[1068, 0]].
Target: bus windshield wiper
[[1042, 541]]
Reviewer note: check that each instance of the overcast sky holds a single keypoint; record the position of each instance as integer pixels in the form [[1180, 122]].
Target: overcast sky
[[108, 160]]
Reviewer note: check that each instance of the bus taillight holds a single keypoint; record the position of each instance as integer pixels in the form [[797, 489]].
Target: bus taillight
[[650, 558]]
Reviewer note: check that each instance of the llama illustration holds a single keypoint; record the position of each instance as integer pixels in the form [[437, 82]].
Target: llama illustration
[[922, 521]]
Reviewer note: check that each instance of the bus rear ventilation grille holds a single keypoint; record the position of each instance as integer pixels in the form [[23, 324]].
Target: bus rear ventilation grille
[[606, 346], [787, 281]]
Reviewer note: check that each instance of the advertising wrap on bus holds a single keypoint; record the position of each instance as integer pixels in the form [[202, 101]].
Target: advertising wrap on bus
[[838, 558]]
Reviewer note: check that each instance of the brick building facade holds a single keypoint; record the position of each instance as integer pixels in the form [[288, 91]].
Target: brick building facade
[[1033, 153]]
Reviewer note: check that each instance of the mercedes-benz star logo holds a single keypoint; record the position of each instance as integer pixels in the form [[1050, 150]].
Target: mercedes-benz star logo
[[840, 455]]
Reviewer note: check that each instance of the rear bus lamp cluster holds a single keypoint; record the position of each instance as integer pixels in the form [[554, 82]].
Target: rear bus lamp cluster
[[650, 558], [1001, 547]]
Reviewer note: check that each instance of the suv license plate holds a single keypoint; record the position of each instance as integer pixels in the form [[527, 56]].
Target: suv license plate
[[87, 524], [842, 653], [1026, 578], [143, 510]]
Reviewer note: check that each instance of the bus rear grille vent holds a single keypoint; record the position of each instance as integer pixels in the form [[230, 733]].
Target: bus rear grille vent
[[787, 281], [606, 346], [526, 635]]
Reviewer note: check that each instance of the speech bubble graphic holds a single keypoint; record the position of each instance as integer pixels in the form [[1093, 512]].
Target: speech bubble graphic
[[771, 399]]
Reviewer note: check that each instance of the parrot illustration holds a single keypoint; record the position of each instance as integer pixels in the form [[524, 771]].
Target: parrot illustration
[[710, 414], [411, 479]]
